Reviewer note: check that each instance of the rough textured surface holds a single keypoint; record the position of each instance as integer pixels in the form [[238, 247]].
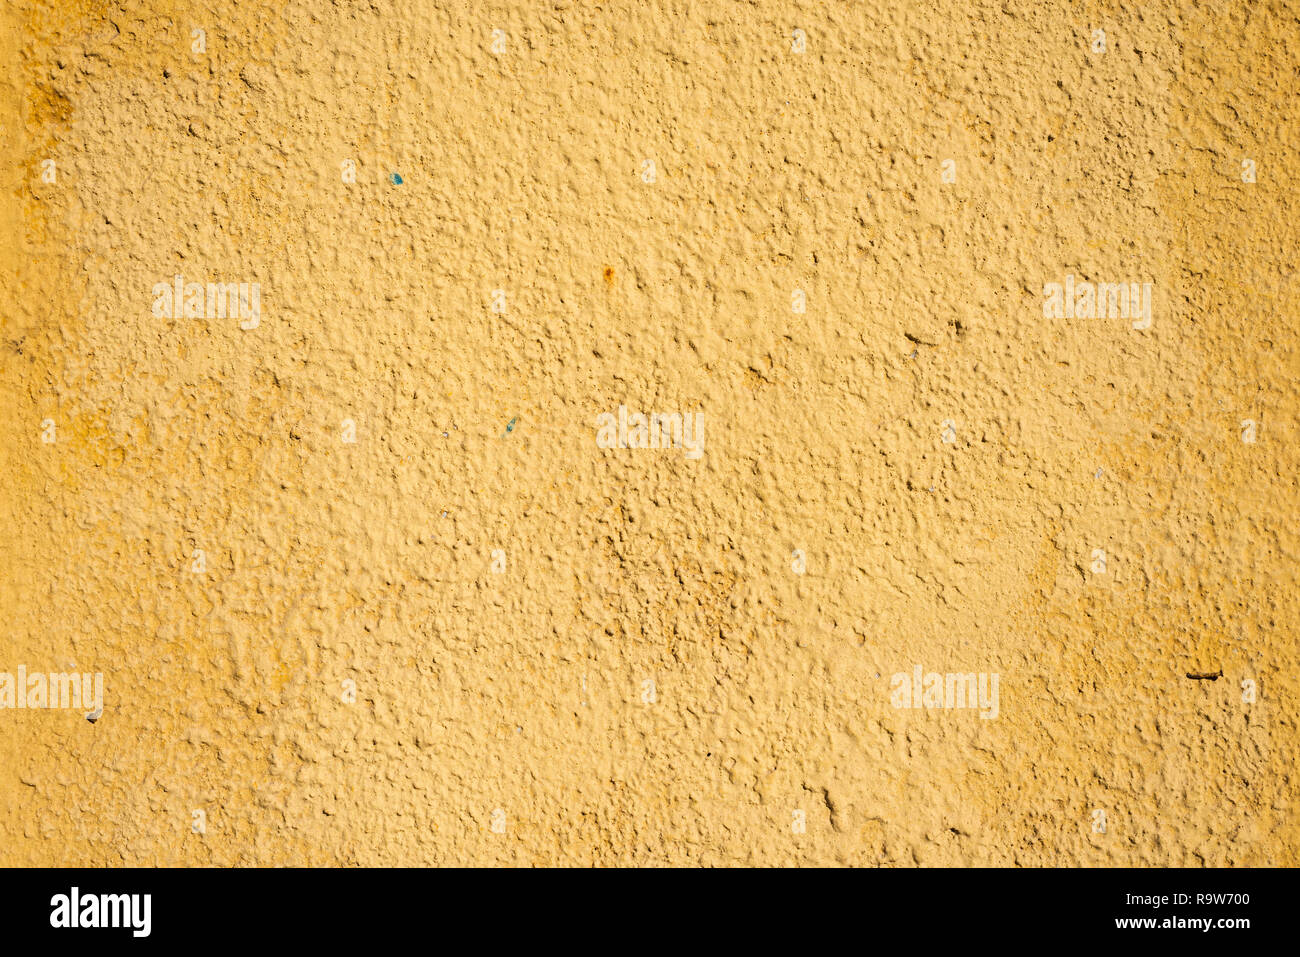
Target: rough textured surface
[[523, 691]]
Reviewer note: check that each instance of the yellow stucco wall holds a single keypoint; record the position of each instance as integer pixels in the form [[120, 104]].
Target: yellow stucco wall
[[504, 717]]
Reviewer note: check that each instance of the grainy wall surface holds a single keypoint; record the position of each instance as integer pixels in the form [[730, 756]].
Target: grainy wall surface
[[565, 653]]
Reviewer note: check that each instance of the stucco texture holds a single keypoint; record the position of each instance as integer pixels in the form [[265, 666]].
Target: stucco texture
[[502, 713]]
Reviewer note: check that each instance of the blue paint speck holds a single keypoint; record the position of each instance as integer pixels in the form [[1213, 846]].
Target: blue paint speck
[[511, 427], [395, 179]]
